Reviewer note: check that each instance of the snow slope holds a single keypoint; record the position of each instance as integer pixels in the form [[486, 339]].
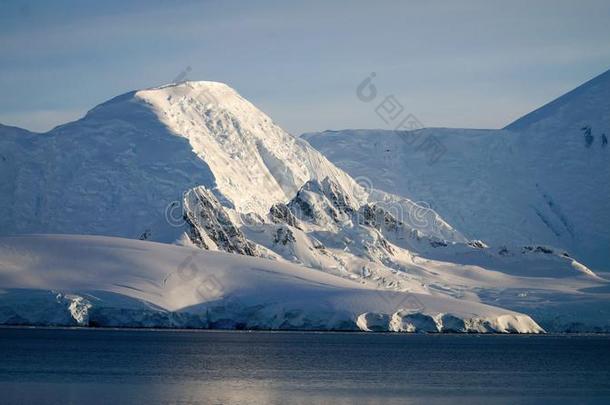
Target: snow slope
[[542, 179], [103, 281], [143, 150], [195, 164]]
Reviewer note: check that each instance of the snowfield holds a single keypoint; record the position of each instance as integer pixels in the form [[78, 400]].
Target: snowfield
[[242, 225], [106, 281], [103, 281]]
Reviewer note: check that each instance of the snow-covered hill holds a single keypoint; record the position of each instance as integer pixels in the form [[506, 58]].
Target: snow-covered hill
[[195, 164], [102, 281], [543, 179]]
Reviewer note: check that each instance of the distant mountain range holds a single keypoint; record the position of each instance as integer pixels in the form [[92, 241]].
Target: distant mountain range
[[545, 178]]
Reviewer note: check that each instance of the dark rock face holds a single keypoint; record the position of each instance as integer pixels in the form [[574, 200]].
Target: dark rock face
[[280, 214], [204, 215], [301, 206], [321, 202], [437, 243], [477, 244], [194, 232], [537, 249], [336, 196], [377, 217], [284, 236]]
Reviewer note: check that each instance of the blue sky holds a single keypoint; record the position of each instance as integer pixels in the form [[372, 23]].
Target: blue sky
[[477, 64]]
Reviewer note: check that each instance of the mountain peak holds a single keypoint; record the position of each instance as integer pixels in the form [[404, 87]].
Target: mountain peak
[[162, 97], [167, 139], [192, 84], [191, 89], [574, 108]]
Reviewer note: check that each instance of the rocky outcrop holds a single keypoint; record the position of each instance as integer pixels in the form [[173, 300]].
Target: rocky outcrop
[[280, 214], [208, 221], [284, 236], [378, 217], [322, 203]]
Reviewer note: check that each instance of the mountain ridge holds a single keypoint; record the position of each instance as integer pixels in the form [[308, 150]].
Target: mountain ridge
[[600, 82], [546, 181]]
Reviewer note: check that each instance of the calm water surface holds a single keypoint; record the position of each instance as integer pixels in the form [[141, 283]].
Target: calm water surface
[[123, 366]]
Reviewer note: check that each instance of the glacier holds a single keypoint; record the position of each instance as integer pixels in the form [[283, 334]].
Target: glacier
[[114, 282]]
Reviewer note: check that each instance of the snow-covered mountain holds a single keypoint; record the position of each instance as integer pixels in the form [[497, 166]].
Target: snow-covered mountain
[[195, 164], [544, 178], [143, 150]]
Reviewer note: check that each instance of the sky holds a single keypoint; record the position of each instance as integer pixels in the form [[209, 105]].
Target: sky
[[473, 64]]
